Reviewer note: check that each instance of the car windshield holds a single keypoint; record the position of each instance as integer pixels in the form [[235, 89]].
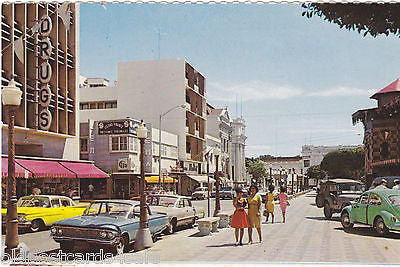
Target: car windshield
[[162, 201], [108, 209], [395, 200], [34, 201]]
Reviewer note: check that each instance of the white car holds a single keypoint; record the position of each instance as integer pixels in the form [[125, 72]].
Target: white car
[[200, 193], [179, 210]]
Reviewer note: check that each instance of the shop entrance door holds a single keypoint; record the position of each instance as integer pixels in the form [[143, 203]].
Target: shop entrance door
[[121, 188]]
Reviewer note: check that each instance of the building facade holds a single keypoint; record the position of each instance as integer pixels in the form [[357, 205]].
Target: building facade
[[148, 89], [238, 148], [40, 51], [382, 133], [115, 148], [219, 136]]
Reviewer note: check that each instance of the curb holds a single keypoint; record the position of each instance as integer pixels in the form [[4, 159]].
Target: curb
[[299, 194]]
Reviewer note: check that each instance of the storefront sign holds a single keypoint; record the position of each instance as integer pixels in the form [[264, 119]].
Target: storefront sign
[[45, 48], [45, 72], [118, 127], [46, 26], [45, 96], [45, 119], [126, 164]]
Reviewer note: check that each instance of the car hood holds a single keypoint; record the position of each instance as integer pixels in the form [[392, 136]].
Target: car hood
[[93, 221]]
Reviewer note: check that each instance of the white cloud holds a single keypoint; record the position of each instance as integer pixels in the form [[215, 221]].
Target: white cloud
[[251, 91], [342, 91], [260, 90]]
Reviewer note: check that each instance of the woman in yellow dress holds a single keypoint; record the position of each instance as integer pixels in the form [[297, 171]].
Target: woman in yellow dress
[[254, 203], [269, 204]]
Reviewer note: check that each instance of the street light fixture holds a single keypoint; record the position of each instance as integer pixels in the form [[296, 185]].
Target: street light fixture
[[159, 139], [217, 200], [11, 98], [143, 236]]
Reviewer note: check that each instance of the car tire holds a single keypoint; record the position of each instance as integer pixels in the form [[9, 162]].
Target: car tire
[[66, 246], [36, 225], [327, 211], [319, 201], [380, 227], [191, 224], [346, 223], [171, 228], [120, 246]]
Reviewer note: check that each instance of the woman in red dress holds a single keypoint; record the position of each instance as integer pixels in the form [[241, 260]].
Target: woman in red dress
[[239, 220]]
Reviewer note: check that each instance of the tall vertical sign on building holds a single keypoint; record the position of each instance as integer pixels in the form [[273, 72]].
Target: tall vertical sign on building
[[148, 150]]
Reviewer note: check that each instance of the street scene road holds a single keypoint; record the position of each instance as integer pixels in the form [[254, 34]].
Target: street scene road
[[305, 237]]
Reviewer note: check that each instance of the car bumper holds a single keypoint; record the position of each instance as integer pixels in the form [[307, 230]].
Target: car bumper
[[112, 242], [21, 225]]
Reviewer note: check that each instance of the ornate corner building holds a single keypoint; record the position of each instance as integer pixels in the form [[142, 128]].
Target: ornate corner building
[[382, 133]]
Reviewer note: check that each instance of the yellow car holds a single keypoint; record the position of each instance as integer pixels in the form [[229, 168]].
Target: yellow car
[[38, 211]]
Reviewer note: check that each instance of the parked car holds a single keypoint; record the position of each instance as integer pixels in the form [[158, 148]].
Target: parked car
[[390, 181], [179, 210], [335, 194], [38, 211], [200, 193], [106, 224], [377, 208], [227, 193]]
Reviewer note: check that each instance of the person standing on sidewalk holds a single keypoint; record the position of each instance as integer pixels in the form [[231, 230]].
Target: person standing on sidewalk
[[239, 218], [283, 202], [255, 202], [269, 204], [90, 189]]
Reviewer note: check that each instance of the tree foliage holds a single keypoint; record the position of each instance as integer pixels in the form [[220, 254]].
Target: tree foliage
[[344, 163], [373, 19], [316, 172], [257, 169]]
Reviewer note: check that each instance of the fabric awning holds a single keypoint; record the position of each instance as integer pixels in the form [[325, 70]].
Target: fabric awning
[[19, 171], [84, 170], [46, 169], [154, 179], [201, 178]]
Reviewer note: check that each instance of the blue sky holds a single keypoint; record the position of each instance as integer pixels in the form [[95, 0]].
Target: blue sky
[[298, 79]]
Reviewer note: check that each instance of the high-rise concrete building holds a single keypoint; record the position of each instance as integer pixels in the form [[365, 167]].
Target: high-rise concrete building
[[147, 89], [42, 129], [40, 51]]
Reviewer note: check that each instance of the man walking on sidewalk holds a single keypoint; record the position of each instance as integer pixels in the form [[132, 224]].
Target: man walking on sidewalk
[[90, 189]]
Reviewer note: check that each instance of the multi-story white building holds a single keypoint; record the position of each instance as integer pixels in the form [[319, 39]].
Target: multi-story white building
[[238, 147], [114, 147], [219, 136], [147, 89], [313, 155]]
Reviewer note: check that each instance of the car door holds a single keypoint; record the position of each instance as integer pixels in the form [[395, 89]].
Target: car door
[[180, 212], [374, 206], [360, 209], [55, 212], [190, 212]]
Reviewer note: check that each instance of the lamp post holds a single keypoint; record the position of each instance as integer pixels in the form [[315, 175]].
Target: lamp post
[[217, 200], [159, 143], [11, 98], [143, 236]]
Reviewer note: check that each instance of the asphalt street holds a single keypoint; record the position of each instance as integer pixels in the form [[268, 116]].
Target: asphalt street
[[306, 237]]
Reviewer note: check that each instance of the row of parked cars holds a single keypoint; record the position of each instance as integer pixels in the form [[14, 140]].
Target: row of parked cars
[[202, 193], [379, 208], [110, 224]]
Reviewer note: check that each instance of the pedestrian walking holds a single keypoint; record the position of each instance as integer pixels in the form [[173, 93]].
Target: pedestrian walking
[[396, 184], [239, 218], [90, 189], [254, 212], [283, 202], [269, 203]]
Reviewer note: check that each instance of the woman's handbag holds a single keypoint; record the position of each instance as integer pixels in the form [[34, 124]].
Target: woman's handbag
[[265, 213]]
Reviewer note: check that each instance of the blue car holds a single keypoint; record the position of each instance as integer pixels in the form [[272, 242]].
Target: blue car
[[106, 224]]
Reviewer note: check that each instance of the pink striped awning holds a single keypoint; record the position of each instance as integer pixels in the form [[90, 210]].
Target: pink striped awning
[[19, 171], [84, 170], [46, 169]]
